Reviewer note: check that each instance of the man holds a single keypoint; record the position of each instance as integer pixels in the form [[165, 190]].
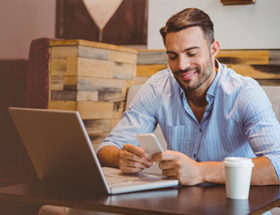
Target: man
[[205, 110]]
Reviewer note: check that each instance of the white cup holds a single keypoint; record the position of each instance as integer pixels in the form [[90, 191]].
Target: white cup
[[238, 177]]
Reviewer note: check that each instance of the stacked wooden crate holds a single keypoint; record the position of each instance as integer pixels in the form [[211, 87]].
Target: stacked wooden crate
[[91, 78], [262, 65]]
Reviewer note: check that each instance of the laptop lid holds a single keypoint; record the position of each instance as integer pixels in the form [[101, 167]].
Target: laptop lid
[[61, 152], [59, 148]]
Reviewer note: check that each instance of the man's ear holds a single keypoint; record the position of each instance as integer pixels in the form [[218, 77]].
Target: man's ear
[[215, 48]]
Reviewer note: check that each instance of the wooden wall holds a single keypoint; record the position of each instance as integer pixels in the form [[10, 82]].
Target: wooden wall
[[93, 78]]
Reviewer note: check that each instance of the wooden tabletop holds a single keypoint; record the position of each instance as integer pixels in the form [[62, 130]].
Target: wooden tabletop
[[203, 199]]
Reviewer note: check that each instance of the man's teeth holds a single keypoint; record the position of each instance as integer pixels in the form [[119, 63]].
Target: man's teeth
[[188, 75]]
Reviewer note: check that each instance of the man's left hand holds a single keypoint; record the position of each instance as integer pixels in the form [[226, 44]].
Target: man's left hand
[[178, 165]]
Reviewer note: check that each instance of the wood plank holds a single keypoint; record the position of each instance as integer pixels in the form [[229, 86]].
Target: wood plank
[[87, 96], [123, 57], [124, 71], [258, 71], [149, 70], [108, 89], [56, 82], [72, 66], [86, 67], [108, 95], [269, 82], [96, 126], [93, 84], [89, 52], [62, 105], [152, 57], [57, 66], [243, 56], [72, 95], [91, 44], [235, 2], [100, 110], [64, 51], [274, 57], [95, 68], [70, 83], [63, 95]]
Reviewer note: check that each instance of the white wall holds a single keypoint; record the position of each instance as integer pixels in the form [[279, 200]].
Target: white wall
[[254, 26], [22, 21]]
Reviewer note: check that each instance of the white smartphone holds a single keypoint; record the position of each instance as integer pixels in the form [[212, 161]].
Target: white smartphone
[[149, 143]]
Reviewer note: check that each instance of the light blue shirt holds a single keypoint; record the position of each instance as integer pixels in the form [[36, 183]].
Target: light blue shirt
[[238, 119]]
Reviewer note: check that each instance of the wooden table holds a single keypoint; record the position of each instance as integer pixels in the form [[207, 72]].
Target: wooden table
[[204, 199]]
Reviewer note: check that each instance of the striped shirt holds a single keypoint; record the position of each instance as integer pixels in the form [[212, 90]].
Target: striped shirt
[[238, 119]]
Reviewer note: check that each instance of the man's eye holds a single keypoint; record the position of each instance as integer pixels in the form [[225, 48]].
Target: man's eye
[[172, 57], [191, 54]]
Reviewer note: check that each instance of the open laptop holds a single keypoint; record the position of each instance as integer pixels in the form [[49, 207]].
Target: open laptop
[[61, 152]]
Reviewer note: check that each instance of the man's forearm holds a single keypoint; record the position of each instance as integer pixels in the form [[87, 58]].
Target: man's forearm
[[263, 172], [109, 156]]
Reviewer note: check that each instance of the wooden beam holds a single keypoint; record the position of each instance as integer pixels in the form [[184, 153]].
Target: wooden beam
[[234, 2]]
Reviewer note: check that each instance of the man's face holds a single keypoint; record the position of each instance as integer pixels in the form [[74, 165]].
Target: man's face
[[190, 59]]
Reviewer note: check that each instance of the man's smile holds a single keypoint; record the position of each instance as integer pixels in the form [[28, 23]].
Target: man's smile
[[187, 74]]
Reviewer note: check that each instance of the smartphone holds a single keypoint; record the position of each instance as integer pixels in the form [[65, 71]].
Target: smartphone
[[149, 143]]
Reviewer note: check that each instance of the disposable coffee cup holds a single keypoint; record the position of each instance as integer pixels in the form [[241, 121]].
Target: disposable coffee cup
[[238, 173]]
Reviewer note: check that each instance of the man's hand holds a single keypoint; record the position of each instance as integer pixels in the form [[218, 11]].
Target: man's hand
[[133, 159], [180, 166]]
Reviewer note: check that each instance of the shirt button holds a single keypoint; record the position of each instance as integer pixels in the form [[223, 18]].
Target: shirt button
[[200, 129]]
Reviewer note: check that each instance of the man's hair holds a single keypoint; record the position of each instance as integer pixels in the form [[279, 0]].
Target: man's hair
[[188, 18]]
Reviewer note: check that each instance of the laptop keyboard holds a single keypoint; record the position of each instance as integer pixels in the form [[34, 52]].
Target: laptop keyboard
[[114, 177], [120, 180]]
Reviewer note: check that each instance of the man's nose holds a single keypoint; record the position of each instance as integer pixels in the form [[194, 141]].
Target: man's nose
[[183, 63]]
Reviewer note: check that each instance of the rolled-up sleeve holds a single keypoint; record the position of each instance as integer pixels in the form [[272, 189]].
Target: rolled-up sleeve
[[261, 126]]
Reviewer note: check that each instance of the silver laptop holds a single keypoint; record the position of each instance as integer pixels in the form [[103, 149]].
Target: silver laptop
[[61, 152]]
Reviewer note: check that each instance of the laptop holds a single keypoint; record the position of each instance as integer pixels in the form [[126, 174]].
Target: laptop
[[61, 153]]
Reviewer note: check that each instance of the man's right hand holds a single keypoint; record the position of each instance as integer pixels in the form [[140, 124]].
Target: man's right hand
[[133, 159]]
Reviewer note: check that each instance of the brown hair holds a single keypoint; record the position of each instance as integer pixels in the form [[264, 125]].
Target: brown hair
[[188, 18]]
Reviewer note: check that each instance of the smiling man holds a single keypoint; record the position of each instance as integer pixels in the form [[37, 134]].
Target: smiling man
[[205, 110]]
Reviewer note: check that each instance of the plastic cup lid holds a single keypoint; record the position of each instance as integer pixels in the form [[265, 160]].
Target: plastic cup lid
[[238, 162]]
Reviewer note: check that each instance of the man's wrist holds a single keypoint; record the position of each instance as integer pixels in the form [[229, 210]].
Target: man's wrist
[[212, 172]]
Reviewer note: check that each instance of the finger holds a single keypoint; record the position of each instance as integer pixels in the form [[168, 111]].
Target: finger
[[170, 155], [167, 155], [133, 164], [134, 149], [126, 169], [166, 165], [139, 152], [128, 156], [169, 173], [156, 157]]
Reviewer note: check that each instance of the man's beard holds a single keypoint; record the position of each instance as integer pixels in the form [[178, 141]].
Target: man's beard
[[203, 74]]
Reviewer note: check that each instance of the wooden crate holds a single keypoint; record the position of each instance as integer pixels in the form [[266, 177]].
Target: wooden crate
[[92, 78]]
